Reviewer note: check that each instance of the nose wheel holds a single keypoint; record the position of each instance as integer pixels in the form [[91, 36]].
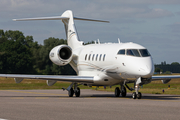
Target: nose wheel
[[134, 95], [138, 96]]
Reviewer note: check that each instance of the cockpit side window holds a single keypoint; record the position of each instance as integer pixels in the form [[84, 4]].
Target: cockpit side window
[[144, 52], [133, 52], [121, 52]]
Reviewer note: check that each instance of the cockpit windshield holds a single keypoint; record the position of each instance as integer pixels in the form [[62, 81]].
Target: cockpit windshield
[[144, 53], [134, 52]]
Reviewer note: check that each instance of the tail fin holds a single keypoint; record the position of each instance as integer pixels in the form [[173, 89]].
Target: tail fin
[[68, 20], [71, 34]]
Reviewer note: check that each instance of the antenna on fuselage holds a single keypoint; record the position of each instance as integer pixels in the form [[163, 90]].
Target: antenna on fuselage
[[99, 42], [95, 42], [119, 41]]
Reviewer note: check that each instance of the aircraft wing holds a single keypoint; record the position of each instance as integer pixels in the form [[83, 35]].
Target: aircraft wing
[[82, 79], [165, 77]]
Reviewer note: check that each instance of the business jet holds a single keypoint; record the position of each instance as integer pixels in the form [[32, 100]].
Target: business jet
[[97, 64]]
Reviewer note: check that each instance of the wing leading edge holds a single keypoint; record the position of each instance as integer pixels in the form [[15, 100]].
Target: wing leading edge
[[83, 79], [165, 77]]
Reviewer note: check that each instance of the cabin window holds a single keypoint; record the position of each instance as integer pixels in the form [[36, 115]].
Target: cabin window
[[86, 57], [93, 57], [133, 52], [104, 57], [100, 57], [121, 52], [144, 53], [96, 57], [89, 57]]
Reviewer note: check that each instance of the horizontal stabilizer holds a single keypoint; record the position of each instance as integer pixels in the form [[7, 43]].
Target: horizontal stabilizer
[[42, 18], [57, 18], [75, 18]]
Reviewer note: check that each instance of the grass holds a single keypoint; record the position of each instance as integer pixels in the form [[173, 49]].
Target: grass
[[154, 87], [27, 84]]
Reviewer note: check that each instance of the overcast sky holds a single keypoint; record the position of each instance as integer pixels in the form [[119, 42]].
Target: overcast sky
[[155, 24]]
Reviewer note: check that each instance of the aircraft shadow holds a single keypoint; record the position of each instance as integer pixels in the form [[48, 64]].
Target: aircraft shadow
[[162, 97], [150, 97], [32, 96], [147, 97]]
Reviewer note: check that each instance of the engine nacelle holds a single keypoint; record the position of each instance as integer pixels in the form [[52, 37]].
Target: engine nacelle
[[61, 55]]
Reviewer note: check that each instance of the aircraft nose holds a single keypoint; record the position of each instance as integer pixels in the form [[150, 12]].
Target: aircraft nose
[[147, 70]]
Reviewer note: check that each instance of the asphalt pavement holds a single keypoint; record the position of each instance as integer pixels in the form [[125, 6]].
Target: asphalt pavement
[[91, 105]]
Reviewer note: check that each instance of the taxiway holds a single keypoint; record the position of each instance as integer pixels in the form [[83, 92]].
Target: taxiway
[[92, 105]]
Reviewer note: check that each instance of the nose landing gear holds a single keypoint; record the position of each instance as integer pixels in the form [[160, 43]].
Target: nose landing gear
[[123, 92], [137, 94]]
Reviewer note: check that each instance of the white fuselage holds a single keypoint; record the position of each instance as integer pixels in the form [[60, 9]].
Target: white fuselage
[[109, 67], [97, 64]]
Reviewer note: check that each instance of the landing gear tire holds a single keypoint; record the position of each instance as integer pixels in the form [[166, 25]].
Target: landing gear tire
[[139, 95], [117, 92], [71, 92], [134, 95], [123, 91], [77, 93]]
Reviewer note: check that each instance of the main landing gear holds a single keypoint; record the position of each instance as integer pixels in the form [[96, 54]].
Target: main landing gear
[[72, 91], [122, 91]]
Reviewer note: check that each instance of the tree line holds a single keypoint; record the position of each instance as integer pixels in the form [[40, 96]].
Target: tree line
[[174, 67], [19, 54]]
